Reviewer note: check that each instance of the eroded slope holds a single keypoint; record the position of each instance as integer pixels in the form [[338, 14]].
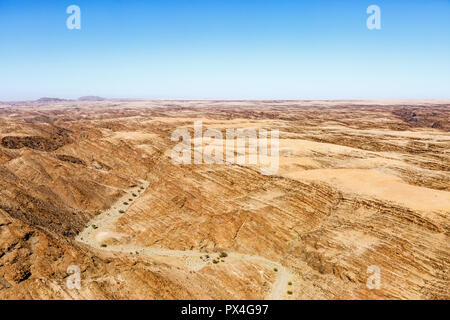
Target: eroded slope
[[359, 184]]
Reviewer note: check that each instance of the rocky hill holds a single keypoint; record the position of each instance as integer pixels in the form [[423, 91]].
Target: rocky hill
[[92, 184]]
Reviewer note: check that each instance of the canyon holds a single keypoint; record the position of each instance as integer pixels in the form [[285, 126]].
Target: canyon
[[92, 183]]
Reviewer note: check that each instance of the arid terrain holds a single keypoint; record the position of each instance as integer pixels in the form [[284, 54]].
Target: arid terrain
[[92, 184]]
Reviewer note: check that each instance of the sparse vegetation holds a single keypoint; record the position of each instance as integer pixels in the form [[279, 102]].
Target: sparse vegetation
[[263, 220]]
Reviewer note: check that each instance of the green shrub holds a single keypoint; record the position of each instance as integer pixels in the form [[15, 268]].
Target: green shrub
[[104, 245], [289, 292], [134, 195], [275, 269], [142, 188], [290, 283], [121, 211], [130, 199], [125, 203], [215, 261], [94, 226], [223, 254]]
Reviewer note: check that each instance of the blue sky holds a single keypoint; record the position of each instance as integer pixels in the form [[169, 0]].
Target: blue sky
[[228, 49]]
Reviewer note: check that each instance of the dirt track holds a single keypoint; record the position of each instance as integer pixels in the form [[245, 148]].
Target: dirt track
[[90, 236], [359, 183]]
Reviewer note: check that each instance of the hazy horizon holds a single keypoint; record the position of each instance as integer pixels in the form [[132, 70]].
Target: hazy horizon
[[366, 100]]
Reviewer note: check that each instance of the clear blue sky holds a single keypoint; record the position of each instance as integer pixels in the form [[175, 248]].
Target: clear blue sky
[[229, 49]]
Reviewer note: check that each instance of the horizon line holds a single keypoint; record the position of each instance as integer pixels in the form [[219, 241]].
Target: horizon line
[[100, 99]]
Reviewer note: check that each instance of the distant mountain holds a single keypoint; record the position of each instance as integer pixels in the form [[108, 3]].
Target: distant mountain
[[91, 98], [48, 99]]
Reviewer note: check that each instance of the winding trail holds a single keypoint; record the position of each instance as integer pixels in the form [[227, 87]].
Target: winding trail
[[97, 232]]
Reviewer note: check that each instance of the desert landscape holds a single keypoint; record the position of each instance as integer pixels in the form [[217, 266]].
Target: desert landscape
[[91, 183]]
